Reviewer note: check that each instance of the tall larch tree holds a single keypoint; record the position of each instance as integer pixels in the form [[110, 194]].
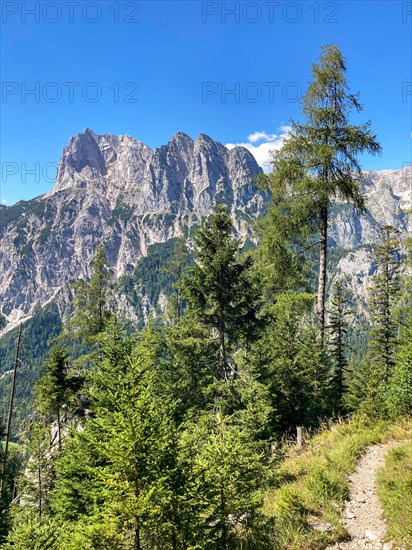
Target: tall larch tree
[[318, 161]]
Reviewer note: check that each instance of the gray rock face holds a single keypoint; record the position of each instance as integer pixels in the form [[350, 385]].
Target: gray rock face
[[388, 196], [184, 175], [116, 191]]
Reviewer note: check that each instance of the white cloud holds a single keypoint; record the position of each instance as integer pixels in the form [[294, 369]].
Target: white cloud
[[3, 201], [269, 142], [258, 136]]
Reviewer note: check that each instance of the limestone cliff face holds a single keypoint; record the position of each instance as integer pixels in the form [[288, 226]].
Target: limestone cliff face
[[116, 191], [388, 196]]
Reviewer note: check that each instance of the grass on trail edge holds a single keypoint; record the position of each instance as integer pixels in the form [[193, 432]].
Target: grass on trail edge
[[395, 494], [312, 484]]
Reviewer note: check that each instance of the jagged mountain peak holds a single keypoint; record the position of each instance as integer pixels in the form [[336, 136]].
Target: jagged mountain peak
[[117, 191], [88, 131], [181, 137], [206, 139], [113, 164]]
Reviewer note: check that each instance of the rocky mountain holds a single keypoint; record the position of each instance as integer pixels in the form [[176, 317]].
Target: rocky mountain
[[117, 191], [388, 196]]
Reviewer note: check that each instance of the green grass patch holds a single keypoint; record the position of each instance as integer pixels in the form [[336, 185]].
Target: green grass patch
[[312, 484], [395, 494]]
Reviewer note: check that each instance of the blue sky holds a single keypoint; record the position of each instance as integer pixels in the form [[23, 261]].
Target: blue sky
[[150, 69]]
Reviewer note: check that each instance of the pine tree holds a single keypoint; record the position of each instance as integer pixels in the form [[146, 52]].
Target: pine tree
[[53, 387], [400, 382], [337, 345], [118, 475], [228, 475], [91, 308], [219, 289], [384, 296], [317, 162]]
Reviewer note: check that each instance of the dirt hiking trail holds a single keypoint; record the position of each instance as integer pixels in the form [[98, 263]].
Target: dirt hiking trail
[[363, 514]]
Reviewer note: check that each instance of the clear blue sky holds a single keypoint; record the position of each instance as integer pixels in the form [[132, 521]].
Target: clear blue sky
[[177, 59]]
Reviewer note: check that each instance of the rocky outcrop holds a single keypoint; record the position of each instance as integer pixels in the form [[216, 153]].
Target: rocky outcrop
[[388, 196], [117, 191]]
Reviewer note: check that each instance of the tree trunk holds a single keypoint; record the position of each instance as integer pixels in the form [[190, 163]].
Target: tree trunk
[[137, 536], [10, 415], [320, 310], [174, 535], [223, 518], [137, 543], [222, 346], [222, 354], [39, 474], [59, 440]]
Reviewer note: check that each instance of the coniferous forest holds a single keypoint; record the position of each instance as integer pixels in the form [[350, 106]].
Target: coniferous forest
[[173, 435]]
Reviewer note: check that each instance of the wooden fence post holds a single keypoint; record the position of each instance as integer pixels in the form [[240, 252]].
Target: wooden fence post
[[300, 436]]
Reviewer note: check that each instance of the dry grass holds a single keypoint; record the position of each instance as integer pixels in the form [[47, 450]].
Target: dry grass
[[312, 485]]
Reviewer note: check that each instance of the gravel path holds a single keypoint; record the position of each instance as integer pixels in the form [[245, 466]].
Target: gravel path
[[363, 515]]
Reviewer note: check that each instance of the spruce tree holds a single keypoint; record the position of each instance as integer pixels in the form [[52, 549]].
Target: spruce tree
[[91, 300], [337, 346], [53, 387], [38, 478], [384, 296], [368, 379], [191, 366], [219, 290], [176, 268], [119, 473], [318, 162], [30, 532], [400, 382], [291, 364], [227, 471], [11, 483]]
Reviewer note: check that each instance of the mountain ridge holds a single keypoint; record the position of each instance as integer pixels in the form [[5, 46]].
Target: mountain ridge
[[118, 191]]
